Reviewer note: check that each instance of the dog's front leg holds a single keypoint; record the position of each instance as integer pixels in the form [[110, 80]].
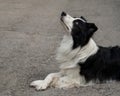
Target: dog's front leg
[[44, 84]]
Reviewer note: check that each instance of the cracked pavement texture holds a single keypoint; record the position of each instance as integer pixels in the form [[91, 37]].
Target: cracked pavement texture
[[30, 32]]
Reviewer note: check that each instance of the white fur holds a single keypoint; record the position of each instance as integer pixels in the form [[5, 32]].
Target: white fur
[[68, 58]]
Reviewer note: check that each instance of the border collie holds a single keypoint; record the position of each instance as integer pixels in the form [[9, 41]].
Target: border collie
[[82, 62]]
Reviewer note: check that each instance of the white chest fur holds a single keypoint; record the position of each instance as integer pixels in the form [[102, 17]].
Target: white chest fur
[[68, 58]]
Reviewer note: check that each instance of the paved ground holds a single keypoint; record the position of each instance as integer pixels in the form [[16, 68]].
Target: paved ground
[[30, 31]]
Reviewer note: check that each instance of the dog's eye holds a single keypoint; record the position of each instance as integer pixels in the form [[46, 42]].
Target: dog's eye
[[76, 23]]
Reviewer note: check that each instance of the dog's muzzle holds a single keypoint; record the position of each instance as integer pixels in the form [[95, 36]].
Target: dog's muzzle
[[62, 15], [67, 21]]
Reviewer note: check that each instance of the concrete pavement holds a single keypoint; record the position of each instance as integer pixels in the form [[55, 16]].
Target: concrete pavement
[[30, 32]]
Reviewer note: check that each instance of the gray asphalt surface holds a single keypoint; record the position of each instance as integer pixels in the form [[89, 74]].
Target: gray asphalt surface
[[30, 32]]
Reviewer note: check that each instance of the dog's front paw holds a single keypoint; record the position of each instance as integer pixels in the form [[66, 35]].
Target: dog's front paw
[[39, 84]]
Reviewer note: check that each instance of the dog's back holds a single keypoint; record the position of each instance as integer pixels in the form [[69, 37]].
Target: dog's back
[[104, 65]]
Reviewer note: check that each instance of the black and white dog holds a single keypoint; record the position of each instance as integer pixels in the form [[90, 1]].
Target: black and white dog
[[82, 62]]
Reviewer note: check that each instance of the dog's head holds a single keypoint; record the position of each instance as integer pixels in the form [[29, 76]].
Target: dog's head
[[80, 30]]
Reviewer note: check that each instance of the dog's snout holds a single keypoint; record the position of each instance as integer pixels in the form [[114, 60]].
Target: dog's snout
[[63, 14]]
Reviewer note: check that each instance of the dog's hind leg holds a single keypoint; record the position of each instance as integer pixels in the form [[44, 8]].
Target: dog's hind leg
[[44, 84]]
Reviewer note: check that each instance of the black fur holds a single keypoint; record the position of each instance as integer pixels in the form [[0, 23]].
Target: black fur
[[104, 65], [82, 32]]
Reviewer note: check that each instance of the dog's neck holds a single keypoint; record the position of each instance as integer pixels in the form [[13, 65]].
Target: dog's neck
[[68, 57]]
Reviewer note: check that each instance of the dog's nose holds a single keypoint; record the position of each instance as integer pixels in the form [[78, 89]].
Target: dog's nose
[[63, 14]]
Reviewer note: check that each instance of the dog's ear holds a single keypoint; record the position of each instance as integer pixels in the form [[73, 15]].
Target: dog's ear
[[83, 18], [92, 28]]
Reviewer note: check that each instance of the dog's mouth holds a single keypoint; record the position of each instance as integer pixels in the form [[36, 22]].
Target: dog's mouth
[[63, 14], [64, 24]]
